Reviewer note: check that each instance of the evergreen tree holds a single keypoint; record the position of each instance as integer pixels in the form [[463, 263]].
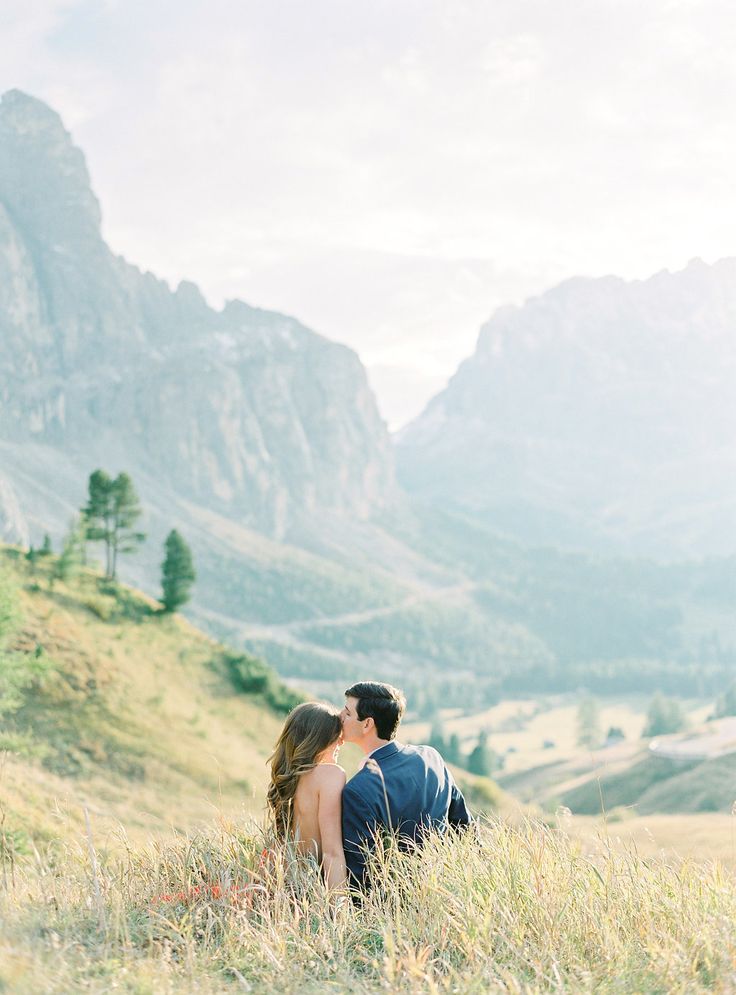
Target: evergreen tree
[[437, 737], [32, 559], [111, 511], [177, 572], [480, 758], [454, 753], [126, 511], [665, 715], [72, 551], [589, 731], [97, 513], [46, 549], [726, 703]]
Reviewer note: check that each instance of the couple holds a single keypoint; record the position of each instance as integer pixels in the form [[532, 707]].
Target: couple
[[403, 789]]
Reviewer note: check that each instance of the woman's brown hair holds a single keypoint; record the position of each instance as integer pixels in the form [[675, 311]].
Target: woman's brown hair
[[309, 729]]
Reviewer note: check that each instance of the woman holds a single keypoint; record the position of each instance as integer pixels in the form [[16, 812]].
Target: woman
[[305, 793]]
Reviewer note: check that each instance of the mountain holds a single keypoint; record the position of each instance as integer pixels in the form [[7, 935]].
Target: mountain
[[242, 411], [599, 415], [260, 442]]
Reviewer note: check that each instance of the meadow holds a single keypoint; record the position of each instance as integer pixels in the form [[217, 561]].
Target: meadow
[[532, 731], [131, 842], [521, 909]]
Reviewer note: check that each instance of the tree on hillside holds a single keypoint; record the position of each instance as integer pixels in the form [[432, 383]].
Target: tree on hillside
[[72, 554], [111, 511], [453, 751], [97, 513], [32, 559], [481, 757], [437, 736], [726, 703], [177, 572], [665, 715], [589, 730], [126, 511], [46, 548]]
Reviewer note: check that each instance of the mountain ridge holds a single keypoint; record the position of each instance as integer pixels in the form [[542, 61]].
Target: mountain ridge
[[595, 416], [243, 409]]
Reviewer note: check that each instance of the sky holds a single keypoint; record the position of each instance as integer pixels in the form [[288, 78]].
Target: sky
[[392, 171]]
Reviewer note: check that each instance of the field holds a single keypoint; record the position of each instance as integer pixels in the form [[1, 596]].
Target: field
[[519, 728], [507, 909], [702, 837]]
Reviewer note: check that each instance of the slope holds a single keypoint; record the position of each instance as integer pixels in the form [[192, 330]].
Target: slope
[[134, 715]]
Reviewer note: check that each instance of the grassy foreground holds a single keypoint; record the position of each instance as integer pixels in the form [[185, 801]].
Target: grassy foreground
[[513, 909]]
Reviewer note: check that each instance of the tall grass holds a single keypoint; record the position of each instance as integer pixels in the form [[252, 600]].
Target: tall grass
[[506, 909]]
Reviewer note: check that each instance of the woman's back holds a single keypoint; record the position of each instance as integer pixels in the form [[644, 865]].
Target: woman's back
[[305, 793], [317, 811]]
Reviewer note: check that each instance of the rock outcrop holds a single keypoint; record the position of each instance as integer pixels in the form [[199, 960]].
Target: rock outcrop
[[599, 415], [243, 411]]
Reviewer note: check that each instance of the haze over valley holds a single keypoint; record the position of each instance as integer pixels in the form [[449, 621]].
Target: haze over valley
[[560, 517]]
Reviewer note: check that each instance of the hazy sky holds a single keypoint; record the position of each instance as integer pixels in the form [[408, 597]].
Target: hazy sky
[[390, 172]]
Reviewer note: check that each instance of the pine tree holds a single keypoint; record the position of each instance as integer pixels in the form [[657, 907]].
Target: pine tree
[[589, 728], [126, 511], [72, 551], [177, 572], [453, 752], [480, 759], [437, 736], [111, 511], [97, 513], [726, 703], [665, 715], [32, 559], [46, 549]]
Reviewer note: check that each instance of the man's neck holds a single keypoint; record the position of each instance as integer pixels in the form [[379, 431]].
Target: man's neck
[[374, 743]]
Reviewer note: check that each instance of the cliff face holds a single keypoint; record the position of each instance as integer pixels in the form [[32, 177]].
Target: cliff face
[[241, 410], [600, 415]]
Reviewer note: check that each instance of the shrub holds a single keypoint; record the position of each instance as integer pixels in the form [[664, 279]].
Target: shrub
[[101, 607], [665, 716], [252, 676]]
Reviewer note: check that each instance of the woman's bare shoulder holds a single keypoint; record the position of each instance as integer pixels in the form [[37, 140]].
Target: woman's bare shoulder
[[330, 775]]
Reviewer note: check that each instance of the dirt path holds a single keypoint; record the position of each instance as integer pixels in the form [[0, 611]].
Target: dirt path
[[287, 634]]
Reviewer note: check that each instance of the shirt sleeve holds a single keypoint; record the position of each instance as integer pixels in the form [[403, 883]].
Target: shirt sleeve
[[359, 821], [458, 814]]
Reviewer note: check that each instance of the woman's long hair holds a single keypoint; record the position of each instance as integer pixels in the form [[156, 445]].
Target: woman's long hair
[[309, 729]]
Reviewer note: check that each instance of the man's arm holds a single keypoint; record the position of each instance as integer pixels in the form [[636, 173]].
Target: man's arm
[[359, 820]]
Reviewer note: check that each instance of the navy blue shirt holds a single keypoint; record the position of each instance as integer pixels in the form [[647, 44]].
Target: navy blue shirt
[[403, 788]]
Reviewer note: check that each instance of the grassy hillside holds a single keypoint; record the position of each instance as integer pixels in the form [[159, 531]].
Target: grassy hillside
[[138, 716], [652, 784]]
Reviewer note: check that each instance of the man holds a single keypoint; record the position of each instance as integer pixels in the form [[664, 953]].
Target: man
[[405, 789]]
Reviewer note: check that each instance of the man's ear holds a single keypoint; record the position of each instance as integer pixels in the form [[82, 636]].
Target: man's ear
[[370, 724]]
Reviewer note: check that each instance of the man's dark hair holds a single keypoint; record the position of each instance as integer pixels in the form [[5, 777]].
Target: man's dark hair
[[383, 703]]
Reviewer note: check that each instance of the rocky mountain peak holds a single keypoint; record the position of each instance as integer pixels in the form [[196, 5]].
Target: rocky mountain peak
[[44, 181], [243, 411], [599, 414]]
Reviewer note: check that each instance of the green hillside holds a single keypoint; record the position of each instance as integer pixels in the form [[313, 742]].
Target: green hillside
[[138, 716], [652, 784]]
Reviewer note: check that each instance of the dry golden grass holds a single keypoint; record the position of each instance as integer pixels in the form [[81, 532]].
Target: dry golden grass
[[510, 909], [700, 837]]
